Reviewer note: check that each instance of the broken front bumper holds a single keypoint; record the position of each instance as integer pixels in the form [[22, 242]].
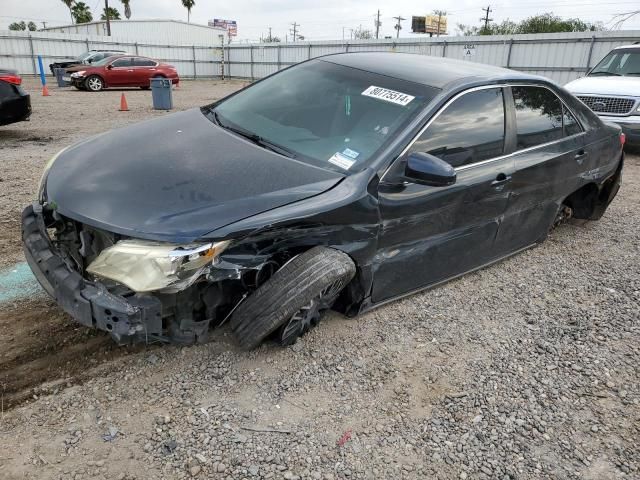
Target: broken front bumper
[[132, 319]]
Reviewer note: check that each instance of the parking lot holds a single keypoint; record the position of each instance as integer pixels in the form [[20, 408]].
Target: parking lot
[[527, 369]]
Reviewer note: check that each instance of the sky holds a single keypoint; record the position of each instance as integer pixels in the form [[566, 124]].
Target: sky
[[328, 20]]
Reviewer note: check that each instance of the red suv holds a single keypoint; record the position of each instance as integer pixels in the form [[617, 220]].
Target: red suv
[[120, 71]]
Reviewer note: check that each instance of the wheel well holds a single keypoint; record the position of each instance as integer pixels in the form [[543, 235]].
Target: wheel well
[[582, 202]]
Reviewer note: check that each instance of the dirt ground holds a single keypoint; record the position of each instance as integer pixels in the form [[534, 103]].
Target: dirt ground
[[527, 369]]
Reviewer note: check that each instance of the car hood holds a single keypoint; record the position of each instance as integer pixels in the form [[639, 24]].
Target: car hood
[[625, 86], [176, 178], [76, 67]]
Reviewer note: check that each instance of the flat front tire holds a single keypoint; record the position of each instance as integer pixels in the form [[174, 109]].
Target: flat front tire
[[312, 280]]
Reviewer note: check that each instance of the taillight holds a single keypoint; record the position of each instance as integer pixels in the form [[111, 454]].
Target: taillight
[[623, 138], [11, 78]]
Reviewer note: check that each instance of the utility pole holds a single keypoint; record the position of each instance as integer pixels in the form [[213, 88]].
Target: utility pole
[[398, 26], [44, 24], [486, 18], [106, 14], [378, 24], [269, 34], [294, 30], [440, 14]]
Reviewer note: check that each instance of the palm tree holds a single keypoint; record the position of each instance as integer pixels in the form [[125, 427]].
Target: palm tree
[[69, 4], [114, 14], [188, 4], [127, 8], [81, 13]]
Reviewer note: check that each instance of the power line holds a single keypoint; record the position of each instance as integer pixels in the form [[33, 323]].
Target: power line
[[398, 25]]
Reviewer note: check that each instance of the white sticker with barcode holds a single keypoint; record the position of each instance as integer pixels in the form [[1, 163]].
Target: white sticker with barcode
[[387, 95], [342, 161]]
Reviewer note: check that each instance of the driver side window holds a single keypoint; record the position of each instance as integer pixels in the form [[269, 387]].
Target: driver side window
[[122, 62], [469, 130]]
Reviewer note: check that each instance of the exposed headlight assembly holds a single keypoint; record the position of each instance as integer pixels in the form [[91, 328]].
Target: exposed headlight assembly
[[78, 74], [145, 266]]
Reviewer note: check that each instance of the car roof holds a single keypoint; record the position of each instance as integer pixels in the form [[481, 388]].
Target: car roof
[[634, 45], [424, 69]]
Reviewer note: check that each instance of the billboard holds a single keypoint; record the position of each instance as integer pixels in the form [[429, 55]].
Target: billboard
[[229, 25], [429, 24]]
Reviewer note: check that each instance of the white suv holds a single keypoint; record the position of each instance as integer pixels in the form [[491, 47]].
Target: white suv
[[612, 90]]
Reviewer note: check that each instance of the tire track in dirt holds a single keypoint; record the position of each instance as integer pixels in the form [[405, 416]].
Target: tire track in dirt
[[43, 346]]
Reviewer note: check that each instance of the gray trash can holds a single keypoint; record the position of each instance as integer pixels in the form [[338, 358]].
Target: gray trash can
[[161, 93], [59, 72]]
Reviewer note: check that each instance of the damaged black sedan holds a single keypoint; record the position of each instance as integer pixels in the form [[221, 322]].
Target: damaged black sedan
[[343, 182]]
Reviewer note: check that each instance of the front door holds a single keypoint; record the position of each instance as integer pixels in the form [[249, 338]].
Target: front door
[[120, 73], [430, 234]]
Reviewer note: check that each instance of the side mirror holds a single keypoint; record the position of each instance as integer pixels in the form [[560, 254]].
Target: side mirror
[[109, 67], [428, 170], [90, 60]]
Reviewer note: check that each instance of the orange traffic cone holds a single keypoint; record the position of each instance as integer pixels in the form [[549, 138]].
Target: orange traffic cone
[[45, 91], [123, 104]]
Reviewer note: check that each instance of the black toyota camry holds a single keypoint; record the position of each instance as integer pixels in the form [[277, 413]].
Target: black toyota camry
[[342, 182]]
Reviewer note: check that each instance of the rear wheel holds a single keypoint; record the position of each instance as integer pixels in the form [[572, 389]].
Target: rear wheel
[[293, 300], [94, 83]]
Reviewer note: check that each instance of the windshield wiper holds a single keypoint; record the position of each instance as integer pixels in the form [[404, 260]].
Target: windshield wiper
[[605, 73], [255, 138]]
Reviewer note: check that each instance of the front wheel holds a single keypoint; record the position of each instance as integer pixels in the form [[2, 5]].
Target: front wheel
[[94, 83], [294, 298]]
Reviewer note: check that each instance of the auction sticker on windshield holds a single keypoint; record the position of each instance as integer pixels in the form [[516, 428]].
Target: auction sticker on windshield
[[387, 95], [342, 161]]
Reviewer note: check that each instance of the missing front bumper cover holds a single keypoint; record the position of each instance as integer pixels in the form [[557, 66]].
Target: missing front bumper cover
[[132, 319]]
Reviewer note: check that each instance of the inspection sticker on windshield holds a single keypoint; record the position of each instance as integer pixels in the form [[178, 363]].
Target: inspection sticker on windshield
[[392, 96], [342, 161]]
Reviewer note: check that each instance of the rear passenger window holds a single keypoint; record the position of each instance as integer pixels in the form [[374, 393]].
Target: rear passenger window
[[571, 125], [469, 130], [538, 116], [143, 62]]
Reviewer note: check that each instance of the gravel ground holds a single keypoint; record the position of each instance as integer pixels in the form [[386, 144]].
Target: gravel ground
[[524, 370]]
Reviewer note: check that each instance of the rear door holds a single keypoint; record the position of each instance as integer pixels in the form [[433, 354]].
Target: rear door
[[143, 70], [121, 72], [548, 159], [430, 234]]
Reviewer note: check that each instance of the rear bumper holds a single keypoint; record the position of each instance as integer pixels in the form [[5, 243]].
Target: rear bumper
[[630, 126], [128, 320], [15, 108]]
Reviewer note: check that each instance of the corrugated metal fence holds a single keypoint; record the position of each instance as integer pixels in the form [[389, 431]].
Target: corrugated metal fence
[[560, 56], [19, 51]]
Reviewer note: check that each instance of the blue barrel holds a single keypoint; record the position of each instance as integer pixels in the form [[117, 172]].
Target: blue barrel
[[161, 93], [59, 72]]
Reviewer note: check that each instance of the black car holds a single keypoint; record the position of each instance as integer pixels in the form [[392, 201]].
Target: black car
[[15, 103], [343, 182], [87, 58]]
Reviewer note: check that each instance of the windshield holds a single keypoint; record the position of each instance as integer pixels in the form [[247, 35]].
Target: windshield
[[619, 62], [84, 56], [328, 115]]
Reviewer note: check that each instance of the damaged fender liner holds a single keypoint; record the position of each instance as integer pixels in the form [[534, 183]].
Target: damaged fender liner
[[137, 318]]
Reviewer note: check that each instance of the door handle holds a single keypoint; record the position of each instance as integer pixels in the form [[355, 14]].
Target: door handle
[[130, 70], [501, 179], [580, 156]]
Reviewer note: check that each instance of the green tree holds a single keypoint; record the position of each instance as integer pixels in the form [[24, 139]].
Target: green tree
[[17, 26], [544, 23], [69, 4], [32, 27], [114, 14], [188, 4], [81, 13], [127, 8]]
